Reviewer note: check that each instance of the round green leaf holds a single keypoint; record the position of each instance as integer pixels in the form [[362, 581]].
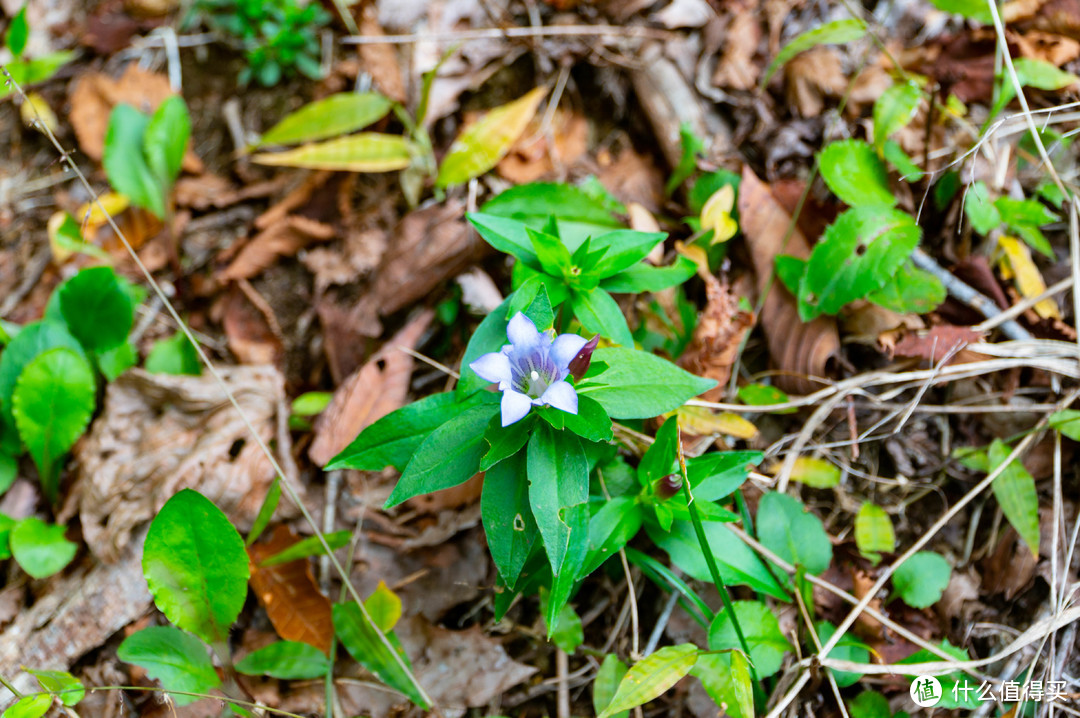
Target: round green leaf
[[787, 529], [98, 308], [762, 632], [52, 403], [874, 531], [848, 648], [41, 548], [195, 566], [62, 684], [34, 339], [921, 579], [288, 660], [856, 174], [177, 659]]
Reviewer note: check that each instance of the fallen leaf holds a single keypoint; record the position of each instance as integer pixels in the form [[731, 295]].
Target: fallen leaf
[[632, 177], [380, 60], [251, 328], [736, 69], [283, 239], [800, 350], [160, 433], [359, 254], [1010, 568], [937, 343], [288, 592], [96, 94], [532, 157], [1017, 264], [373, 391], [699, 421], [294, 200], [458, 669], [717, 337], [812, 76]]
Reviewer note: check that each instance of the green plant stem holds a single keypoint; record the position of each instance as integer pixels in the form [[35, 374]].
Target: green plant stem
[[714, 571], [14, 691]]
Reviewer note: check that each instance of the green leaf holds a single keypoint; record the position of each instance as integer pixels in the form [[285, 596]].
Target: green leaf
[[848, 648], [858, 254], [61, 684], [52, 403], [761, 630], [558, 474], [719, 474], [176, 658], [482, 144], [448, 457], [507, 517], [98, 308], [869, 704], [363, 152], [612, 527], [35, 339], [40, 548], [910, 291], [9, 471], [266, 511], [6, 524], [17, 33], [591, 421], [1031, 72], [639, 385], [1015, 492], [623, 248], [737, 562], [1067, 422], [894, 154], [974, 9], [692, 147], [856, 174], [606, 683], [600, 314], [787, 529], [383, 607], [651, 676], [874, 531], [552, 254], [816, 473], [980, 210], [509, 236], [165, 140], [311, 403], [287, 660], [831, 33], [577, 213], [660, 458], [764, 395], [361, 640], [894, 109], [29, 707], [1024, 211], [504, 441], [174, 355], [948, 681], [329, 117], [310, 546], [126, 164], [726, 678], [920, 580], [393, 439], [644, 277], [114, 362], [195, 566], [567, 632]]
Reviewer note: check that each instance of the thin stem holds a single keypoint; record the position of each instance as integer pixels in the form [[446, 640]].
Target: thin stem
[[714, 571], [14, 691]]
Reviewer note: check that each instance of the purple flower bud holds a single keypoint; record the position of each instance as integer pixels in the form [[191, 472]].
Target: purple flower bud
[[531, 370], [580, 363], [668, 486]]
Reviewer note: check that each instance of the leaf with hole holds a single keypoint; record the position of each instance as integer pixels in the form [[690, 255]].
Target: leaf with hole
[[195, 566], [482, 144], [177, 659], [508, 520]]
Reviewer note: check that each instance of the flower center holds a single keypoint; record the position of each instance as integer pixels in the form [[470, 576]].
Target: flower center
[[532, 374]]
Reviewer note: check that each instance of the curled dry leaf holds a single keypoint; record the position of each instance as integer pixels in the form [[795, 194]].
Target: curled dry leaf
[[160, 433], [813, 76], [96, 94], [799, 350], [736, 69], [373, 391], [283, 239], [937, 343], [251, 328], [717, 337], [288, 592]]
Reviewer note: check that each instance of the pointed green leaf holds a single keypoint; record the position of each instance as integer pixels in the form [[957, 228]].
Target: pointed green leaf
[[607, 681], [600, 314], [176, 658], [726, 678], [361, 640], [761, 629], [329, 117], [310, 546], [1015, 491], [507, 517], [639, 385], [61, 684], [287, 660], [125, 162], [165, 140], [651, 676], [831, 33], [364, 152], [894, 109], [794, 534]]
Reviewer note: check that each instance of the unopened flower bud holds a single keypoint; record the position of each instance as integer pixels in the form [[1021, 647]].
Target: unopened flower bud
[[668, 486], [580, 363]]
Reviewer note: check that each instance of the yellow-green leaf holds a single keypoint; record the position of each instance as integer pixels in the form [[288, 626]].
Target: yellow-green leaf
[[481, 145], [365, 152], [329, 117], [384, 607], [817, 473], [651, 676], [1018, 265], [701, 421], [1067, 422], [1014, 488], [874, 531]]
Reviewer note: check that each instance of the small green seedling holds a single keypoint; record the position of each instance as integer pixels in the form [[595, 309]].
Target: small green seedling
[[23, 70]]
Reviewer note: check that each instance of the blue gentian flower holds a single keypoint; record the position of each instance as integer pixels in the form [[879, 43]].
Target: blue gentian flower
[[531, 370]]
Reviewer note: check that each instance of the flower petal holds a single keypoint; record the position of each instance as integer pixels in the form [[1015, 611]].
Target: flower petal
[[565, 348], [493, 367], [522, 333], [561, 396], [515, 406]]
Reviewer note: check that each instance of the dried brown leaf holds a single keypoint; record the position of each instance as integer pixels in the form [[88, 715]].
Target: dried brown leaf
[[736, 69], [800, 350], [813, 76], [283, 239], [717, 337], [251, 328], [373, 391], [288, 592], [378, 60], [937, 343], [532, 156]]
